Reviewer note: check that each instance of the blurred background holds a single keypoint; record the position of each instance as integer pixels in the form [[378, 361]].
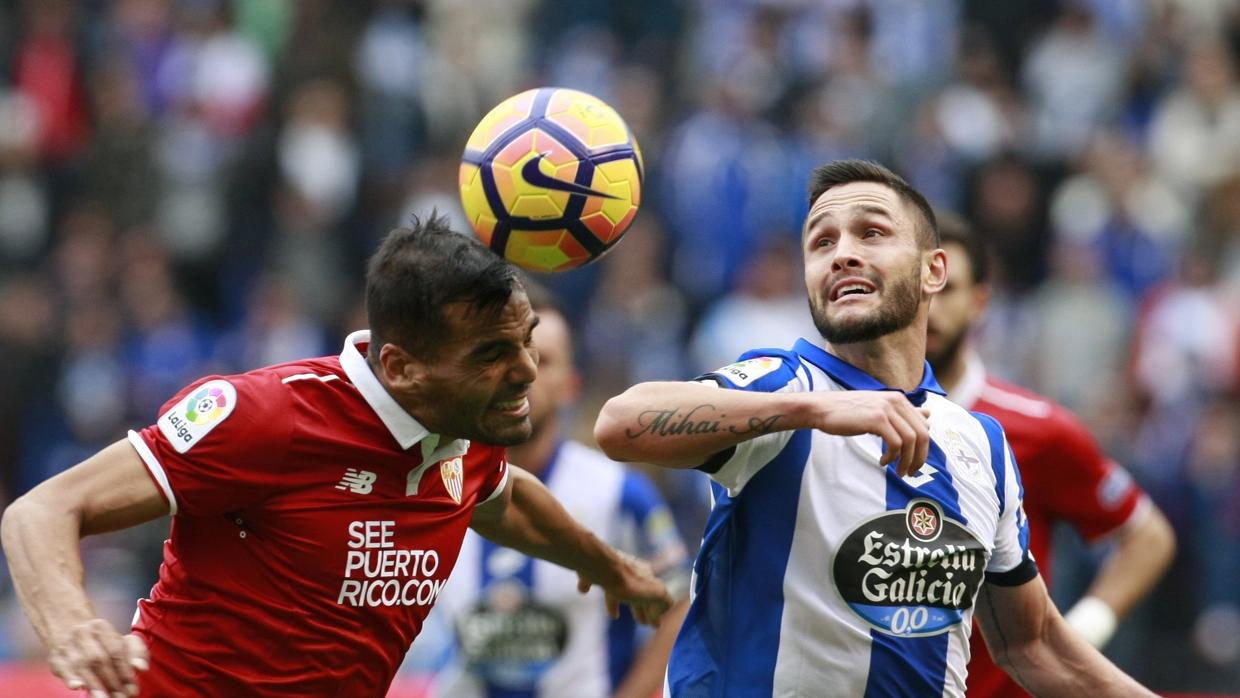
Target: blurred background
[[193, 186]]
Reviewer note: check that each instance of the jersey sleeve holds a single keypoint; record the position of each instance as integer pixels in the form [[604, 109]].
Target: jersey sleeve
[[1011, 563], [220, 444], [655, 537], [1102, 496], [762, 370]]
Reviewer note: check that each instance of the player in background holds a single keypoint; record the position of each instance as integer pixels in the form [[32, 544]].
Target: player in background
[[859, 515], [521, 628], [1067, 478], [318, 505]]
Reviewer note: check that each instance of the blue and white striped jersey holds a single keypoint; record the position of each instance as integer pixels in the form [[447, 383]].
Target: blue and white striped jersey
[[822, 573]]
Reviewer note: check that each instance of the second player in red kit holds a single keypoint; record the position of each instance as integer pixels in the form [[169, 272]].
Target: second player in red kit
[[1066, 476]]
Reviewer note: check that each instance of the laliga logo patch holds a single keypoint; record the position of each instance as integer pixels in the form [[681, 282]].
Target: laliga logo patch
[[206, 406], [200, 412], [910, 573], [745, 372], [453, 473]]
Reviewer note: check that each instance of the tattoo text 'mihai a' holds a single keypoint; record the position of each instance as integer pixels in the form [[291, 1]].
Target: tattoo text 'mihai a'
[[698, 420]]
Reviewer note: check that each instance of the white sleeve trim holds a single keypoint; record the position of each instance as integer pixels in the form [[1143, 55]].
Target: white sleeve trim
[[498, 488], [157, 470], [1139, 513]]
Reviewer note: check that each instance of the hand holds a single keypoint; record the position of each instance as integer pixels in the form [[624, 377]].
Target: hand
[[93, 656], [634, 583], [887, 414]]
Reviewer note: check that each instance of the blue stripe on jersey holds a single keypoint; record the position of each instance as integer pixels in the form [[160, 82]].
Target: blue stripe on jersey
[[994, 434], [913, 666], [524, 574], [621, 646], [638, 498], [730, 637]]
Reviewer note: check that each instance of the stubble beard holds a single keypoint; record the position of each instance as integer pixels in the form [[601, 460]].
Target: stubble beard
[[898, 310], [946, 356]]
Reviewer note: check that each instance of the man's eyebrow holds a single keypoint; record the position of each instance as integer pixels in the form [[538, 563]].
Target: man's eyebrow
[[865, 208]]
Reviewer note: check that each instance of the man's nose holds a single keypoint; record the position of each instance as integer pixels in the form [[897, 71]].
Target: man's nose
[[846, 254]]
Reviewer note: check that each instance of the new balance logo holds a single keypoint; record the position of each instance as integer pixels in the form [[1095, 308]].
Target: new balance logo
[[357, 481]]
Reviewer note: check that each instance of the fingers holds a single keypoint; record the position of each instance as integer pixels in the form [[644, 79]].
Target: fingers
[[94, 657], [139, 655], [583, 584], [905, 431]]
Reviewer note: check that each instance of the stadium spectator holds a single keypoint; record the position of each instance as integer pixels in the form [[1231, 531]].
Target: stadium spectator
[[374, 461], [1065, 475]]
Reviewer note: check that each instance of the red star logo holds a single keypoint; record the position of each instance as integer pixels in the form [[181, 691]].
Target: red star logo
[[924, 522]]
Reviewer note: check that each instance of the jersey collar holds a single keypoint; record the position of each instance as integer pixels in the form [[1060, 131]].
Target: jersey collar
[[404, 428], [854, 378]]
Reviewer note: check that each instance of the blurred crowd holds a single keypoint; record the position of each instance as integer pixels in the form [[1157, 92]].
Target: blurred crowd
[[193, 186]]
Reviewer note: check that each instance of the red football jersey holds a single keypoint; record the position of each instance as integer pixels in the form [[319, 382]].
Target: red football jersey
[[315, 523], [1066, 478]]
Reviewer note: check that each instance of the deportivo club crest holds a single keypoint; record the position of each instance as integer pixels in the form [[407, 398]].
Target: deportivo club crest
[[453, 473]]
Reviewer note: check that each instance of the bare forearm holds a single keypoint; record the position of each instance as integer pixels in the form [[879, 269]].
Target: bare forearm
[[42, 547], [683, 424], [1139, 560], [646, 675], [1050, 660], [536, 524]]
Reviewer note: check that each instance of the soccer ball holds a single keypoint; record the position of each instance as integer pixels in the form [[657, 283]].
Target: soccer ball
[[551, 178]]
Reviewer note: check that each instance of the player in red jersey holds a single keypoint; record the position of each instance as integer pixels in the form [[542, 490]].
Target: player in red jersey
[[318, 506], [1066, 476]]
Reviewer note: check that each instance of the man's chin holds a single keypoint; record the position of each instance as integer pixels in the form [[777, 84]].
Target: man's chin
[[512, 435]]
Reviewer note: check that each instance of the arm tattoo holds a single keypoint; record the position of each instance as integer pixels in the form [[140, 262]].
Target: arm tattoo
[[698, 420], [1003, 644], [672, 422], [757, 426]]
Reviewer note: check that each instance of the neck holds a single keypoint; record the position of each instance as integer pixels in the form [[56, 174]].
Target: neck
[[896, 359], [535, 455], [950, 373]]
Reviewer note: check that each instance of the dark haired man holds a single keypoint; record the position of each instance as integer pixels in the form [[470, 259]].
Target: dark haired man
[[1067, 478], [319, 505], [859, 515]]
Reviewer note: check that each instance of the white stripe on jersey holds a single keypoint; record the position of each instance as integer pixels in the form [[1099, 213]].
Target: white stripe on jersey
[[157, 470]]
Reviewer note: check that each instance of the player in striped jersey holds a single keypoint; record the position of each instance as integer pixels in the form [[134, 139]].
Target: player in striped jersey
[[859, 515]]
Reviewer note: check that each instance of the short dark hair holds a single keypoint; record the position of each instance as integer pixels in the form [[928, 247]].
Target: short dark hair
[[420, 269], [953, 228], [838, 172]]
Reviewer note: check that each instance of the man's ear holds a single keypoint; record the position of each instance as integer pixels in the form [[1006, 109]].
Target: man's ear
[[401, 370], [934, 276]]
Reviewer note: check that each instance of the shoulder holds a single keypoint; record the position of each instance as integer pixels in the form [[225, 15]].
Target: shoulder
[[763, 370], [1024, 413]]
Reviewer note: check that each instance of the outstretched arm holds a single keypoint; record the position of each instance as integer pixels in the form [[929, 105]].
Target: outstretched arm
[[1031, 642], [683, 425], [528, 518], [42, 532]]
